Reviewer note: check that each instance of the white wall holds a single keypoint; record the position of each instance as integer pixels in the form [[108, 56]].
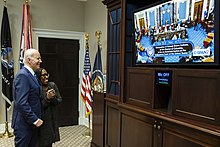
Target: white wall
[[45, 14], [96, 19], [69, 15]]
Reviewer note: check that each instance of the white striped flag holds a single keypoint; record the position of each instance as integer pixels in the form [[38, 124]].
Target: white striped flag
[[26, 32], [86, 93], [7, 61]]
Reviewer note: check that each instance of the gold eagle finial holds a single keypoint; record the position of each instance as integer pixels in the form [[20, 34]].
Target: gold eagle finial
[[87, 40], [98, 35]]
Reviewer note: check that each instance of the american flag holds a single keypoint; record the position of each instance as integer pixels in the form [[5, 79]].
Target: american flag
[[26, 32], [86, 93]]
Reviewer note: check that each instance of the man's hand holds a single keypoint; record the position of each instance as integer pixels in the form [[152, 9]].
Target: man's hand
[[39, 123]]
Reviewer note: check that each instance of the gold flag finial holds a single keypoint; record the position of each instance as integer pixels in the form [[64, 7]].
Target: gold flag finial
[[5, 2], [26, 1], [98, 35], [87, 40]]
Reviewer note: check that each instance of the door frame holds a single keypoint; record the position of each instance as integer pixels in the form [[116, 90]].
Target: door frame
[[60, 34]]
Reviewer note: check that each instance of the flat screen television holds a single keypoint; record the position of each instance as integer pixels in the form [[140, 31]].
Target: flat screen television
[[177, 32]]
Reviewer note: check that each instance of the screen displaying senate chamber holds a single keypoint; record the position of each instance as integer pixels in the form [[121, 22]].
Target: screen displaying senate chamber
[[176, 32]]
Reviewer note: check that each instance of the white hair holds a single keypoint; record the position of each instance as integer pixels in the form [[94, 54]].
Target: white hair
[[29, 53]]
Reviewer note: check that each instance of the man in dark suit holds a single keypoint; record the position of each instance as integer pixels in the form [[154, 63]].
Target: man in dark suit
[[26, 116]]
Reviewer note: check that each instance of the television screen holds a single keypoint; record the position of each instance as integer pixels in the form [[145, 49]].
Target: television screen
[[163, 77], [177, 32]]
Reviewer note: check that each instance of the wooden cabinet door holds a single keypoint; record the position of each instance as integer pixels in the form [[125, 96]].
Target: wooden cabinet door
[[112, 125], [136, 130], [175, 135]]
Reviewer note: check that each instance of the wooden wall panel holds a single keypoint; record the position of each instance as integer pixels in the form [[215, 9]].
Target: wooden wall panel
[[196, 95], [171, 139], [178, 134], [112, 128], [140, 89], [98, 119]]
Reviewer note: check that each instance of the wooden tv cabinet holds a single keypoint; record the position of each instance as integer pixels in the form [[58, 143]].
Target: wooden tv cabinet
[[140, 113]]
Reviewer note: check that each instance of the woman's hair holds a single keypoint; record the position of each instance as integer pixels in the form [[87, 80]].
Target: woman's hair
[[39, 73]]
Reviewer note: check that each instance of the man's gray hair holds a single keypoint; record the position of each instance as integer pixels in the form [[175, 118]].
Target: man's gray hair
[[29, 53]]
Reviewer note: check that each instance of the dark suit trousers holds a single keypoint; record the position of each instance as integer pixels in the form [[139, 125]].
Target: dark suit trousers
[[26, 136]]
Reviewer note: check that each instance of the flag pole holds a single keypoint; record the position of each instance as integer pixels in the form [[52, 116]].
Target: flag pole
[[88, 133], [6, 133]]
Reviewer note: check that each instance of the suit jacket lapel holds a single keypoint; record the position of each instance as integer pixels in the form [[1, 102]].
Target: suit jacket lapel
[[34, 78]]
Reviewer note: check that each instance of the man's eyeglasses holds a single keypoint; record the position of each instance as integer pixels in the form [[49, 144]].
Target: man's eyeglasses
[[46, 74]]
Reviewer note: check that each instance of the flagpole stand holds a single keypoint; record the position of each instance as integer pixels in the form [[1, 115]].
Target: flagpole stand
[[6, 134], [88, 133]]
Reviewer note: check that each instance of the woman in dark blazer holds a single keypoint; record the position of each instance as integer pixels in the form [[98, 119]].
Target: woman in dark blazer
[[49, 131]]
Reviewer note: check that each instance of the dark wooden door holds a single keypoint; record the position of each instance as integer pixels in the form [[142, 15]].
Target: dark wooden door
[[61, 59]]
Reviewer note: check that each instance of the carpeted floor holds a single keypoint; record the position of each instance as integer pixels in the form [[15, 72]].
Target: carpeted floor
[[71, 136]]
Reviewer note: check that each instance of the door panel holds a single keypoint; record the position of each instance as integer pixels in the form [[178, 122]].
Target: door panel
[[61, 59]]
